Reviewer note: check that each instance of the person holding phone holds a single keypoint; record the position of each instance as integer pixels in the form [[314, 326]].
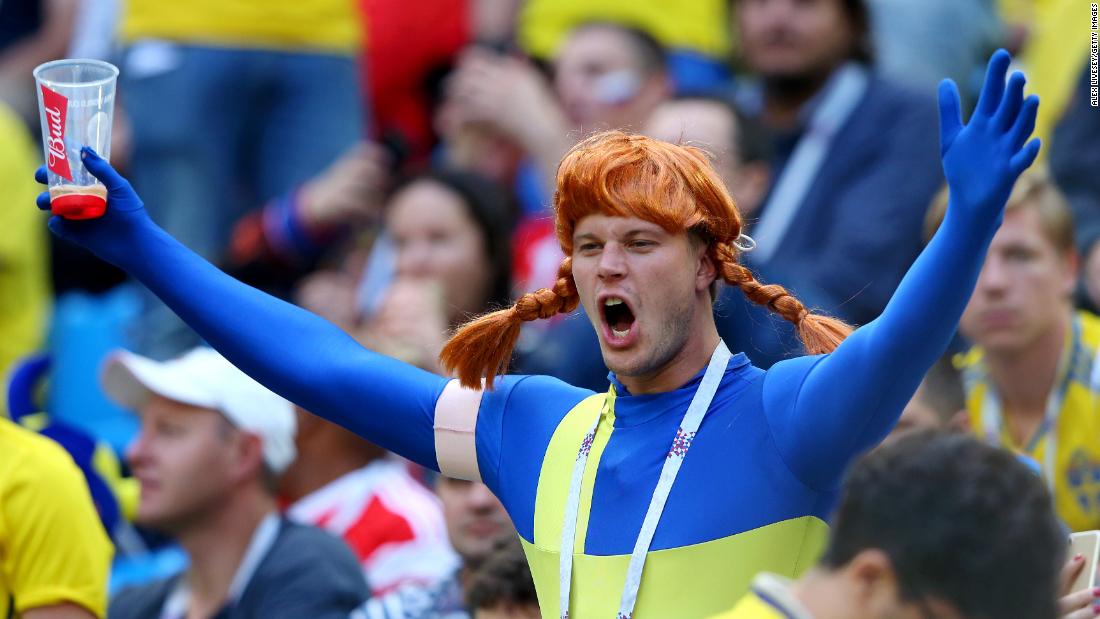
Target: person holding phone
[[647, 228]]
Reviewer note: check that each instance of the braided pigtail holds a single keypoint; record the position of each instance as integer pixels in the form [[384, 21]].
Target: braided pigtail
[[819, 333], [482, 348]]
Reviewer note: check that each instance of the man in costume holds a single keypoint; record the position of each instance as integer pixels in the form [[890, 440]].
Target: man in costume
[[601, 485]]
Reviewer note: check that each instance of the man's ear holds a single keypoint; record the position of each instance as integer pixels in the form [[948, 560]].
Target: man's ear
[[874, 583], [248, 458], [706, 272]]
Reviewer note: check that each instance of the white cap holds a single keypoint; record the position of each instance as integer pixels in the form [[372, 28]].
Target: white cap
[[205, 379]]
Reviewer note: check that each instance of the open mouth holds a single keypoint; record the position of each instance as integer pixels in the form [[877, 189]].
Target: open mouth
[[618, 316]]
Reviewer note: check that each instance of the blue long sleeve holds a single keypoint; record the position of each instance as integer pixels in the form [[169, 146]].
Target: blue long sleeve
[[295, 353], [825, 410]]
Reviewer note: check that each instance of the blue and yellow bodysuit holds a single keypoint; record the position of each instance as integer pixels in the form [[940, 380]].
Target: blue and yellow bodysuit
[[754, 491], [764, 468]]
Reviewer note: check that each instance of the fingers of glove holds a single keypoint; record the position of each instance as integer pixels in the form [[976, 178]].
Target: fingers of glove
[[1025, 122], [994, 85], [950, 113], [58, 226], [101, 169], [1023, 159], [1011, 102]]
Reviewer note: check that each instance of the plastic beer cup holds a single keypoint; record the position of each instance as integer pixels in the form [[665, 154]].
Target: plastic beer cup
[[76, 102]]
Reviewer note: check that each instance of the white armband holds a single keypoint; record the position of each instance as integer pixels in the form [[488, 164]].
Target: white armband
[[456, 430]]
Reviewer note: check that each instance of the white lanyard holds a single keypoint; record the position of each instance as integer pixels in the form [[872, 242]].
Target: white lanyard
[[676, 453], [993, 415]]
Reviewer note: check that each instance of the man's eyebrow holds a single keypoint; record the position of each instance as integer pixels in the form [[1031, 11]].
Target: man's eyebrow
[[584, 236]]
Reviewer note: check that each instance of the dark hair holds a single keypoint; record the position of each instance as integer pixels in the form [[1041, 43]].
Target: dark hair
[[503, 579], [961, 521], [487, 205], [647, 49], [859, 17]]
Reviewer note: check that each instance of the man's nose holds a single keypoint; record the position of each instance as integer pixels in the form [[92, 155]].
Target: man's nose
[[612, 262]]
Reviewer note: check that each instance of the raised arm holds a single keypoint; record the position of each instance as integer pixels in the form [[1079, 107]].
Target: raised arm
[[825, 410], [291, 351]]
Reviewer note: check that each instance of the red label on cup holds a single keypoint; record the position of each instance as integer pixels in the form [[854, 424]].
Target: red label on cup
[[55, 106]]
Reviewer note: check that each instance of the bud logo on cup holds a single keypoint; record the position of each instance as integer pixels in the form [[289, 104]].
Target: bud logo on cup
[[55, 107]]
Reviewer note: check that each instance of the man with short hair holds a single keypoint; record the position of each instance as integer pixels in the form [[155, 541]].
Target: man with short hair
[[211, 445], [933, 526], [854, 164], [1030, 377]]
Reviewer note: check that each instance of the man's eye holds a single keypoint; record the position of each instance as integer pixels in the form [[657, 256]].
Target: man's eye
[[586, 247]]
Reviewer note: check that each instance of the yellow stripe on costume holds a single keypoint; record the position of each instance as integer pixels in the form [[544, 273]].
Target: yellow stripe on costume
[[687, 582], [690, 581]]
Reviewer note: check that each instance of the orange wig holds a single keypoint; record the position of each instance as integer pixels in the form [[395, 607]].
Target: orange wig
[[621, 175]]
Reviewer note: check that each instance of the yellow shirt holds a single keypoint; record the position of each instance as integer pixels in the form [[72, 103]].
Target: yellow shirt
[[1054, 54], [769, 598], [24, 281], [321, 25], [698, 25], [1074, 468], [52, 546]]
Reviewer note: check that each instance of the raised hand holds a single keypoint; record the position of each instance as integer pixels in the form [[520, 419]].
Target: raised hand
[[983, 158], [105, 236]]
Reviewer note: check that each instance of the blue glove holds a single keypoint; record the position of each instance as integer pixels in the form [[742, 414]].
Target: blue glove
[[983, 158], [109, 235]]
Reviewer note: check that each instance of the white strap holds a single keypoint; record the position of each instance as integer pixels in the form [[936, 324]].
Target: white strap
[[685, 434], [841, 95]]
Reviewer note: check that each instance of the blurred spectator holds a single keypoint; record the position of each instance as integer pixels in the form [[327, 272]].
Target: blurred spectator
[[476, 524], [740, 147], [410, 47], [919, 524], [938, 404], [24, 285], [609, 76], [347, 486], [920, 43], [1074, 160], [275, 246], [1050, 41], [855, 165], [502, 587], [211, 446], [1030, 378], [94, 33], [31, 32], [452, 228], [694, 32], [232, 104], [55, 554]]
